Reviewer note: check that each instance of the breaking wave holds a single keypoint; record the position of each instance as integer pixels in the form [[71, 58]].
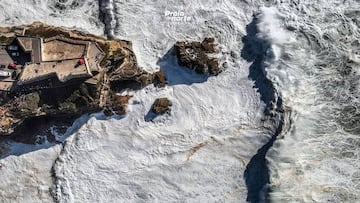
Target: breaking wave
[[264, 45], [318, 160], [280, 124], [313, 64], [107, 16]]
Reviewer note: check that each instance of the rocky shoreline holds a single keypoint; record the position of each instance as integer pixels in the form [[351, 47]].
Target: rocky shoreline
[[119, 66], [118, 70]]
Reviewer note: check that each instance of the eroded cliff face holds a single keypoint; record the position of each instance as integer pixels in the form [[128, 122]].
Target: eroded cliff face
[[118, 70]]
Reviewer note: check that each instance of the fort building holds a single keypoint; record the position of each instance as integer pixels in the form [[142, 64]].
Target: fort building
[[33, 60]]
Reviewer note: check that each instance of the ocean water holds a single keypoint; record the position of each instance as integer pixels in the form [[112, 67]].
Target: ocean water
[[280, 124], [318, 160]]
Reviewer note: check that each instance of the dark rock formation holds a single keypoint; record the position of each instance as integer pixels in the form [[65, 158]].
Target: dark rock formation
[[161, 106], [195, 55], [160, 79], [118, 103]]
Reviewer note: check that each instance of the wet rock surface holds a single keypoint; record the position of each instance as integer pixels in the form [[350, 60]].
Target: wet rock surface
[[161, 106], [196, 56], [160, 79], [118, 104]]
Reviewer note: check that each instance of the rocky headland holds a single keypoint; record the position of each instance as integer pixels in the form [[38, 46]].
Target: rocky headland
[[98, 91], [118, 69]]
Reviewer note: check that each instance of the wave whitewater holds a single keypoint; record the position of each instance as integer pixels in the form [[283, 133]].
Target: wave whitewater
[[317, 160], [281, 123]]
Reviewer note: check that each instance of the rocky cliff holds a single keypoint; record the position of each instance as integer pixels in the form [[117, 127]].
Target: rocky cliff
[[119, 69]]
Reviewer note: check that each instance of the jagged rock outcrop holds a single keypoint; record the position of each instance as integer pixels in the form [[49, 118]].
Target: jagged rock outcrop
[[160, 79], [195, 55], [118, 70], [161, 106], [117, 104]]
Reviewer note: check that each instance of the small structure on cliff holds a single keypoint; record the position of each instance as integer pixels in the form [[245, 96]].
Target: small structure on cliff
[[52, 72], [53, 59], [48, 71]]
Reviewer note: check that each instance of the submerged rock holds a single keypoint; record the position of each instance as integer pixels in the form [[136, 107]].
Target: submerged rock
[[161, 106], [195, 55]]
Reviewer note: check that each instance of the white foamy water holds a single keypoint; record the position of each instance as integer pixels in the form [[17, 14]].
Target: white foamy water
[[317, 75], [82, 15], [309, 48], [129, 159]]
